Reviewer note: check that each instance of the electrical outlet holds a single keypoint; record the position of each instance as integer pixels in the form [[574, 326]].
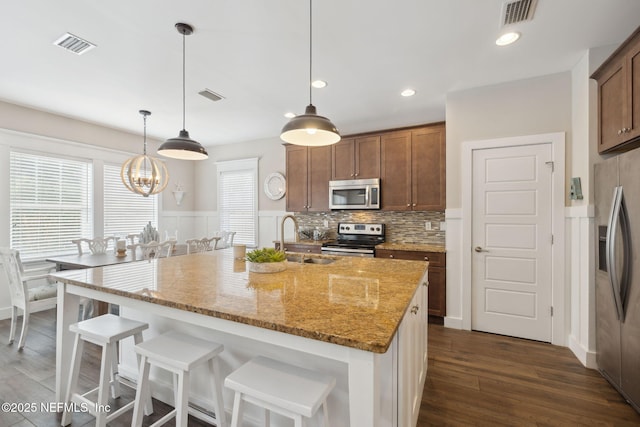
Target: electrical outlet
[[443, 226], [427, 225]]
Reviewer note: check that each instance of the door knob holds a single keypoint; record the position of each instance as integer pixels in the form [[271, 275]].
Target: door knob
[[479, 249]]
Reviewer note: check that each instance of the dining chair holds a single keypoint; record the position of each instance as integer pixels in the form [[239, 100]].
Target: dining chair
[[133, 238], [226, 239], [98, 245], [207, 242], [195, 246], [23, 297], [153, 250]]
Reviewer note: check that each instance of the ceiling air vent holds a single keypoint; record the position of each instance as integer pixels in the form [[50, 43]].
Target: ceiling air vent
[[518, 11], [74, 44], [209, 94]]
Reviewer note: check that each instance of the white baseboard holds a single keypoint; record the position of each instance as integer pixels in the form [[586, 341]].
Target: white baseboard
[[453, 322], [586, 357], [5, 312]]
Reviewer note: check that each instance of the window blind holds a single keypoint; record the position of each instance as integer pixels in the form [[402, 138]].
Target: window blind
[[51, 203], [238, 199], [125, 212]]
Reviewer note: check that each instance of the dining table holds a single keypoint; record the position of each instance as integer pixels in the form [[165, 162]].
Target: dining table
[[89, 260]]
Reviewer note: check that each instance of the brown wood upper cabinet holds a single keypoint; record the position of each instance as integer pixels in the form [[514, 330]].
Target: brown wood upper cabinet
[[356, 158], [412, 169], [619, 97], [308, 175]]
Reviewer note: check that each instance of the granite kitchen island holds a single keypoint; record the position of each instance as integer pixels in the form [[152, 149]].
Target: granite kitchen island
[[362, 320]]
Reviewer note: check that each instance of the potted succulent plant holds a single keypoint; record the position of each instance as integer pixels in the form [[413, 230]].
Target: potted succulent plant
[[266, 260]]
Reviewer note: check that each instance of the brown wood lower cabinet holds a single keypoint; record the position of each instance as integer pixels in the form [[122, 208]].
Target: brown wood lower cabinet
[[437, 275]]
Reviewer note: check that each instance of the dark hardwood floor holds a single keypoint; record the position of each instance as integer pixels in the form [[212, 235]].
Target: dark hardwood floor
[[478, 379], [474, 379]]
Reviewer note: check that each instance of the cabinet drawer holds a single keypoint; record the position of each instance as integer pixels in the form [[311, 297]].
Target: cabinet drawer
[[436, 259]]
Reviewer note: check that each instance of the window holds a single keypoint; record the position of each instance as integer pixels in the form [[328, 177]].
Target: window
[[238, 199], [50, 204], [125, 212]]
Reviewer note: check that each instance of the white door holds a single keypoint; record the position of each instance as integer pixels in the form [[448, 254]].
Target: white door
[[511, 241]]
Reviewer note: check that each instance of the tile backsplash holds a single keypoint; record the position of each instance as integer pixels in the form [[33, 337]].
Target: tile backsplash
[[401, 227]]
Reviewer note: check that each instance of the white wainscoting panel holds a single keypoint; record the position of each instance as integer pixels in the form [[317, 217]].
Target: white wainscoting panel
[[453, 242], [581, 240]]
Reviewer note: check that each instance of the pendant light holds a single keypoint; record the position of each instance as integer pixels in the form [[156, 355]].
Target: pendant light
[[182, 147], [310, 128], [144, 174]]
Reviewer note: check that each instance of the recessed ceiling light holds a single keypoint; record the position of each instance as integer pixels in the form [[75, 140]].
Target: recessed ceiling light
[[289, 115], [318, 84], [508, 38], [408, 92]]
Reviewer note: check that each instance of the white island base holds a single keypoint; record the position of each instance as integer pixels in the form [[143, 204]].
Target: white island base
[[372, 389]]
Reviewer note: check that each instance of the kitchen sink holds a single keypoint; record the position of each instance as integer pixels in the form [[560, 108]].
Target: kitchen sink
[[306, 259], [318, 260]]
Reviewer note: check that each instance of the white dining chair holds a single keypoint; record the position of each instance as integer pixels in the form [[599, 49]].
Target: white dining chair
[[98, 245], [226, 239], [133, 238], [153, 250], [195, 246], [23, 297]]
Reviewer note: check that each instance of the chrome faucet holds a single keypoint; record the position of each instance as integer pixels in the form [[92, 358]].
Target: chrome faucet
[[295, 224]]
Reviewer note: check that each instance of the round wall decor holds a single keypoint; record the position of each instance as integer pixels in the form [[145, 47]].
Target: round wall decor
[[275, 186]]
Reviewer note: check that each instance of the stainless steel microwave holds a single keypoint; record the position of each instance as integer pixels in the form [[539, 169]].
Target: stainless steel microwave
[[354, 194]]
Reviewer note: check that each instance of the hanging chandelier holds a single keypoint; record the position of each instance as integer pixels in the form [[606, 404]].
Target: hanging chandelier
[[310, 128], [182, 146], [144, 174]]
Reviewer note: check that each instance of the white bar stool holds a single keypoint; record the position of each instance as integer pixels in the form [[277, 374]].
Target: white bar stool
[[104, 331], [178, 353], [279, 387]]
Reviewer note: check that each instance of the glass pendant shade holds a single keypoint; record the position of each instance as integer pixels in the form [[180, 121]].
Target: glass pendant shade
[[144, 175], [182, 147], [310, 129]]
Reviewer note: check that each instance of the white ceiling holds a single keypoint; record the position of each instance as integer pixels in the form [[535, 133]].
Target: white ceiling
[[256, 54]]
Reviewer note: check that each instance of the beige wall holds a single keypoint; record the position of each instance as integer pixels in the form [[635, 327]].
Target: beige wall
[[271, 155], [27, 120], [524, 107]]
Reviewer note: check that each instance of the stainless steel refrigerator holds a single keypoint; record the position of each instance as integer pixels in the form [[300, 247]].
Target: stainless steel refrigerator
[[617, 201]]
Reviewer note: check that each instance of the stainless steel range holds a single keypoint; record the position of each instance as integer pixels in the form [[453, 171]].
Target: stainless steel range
[[355, 240]]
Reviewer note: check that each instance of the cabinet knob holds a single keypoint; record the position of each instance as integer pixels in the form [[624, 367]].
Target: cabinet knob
[[414, 309], [357, 174], [408, 205], [413, 205], [426, 258], [390, 256], [620, 132], [351, 175], [308, 250]]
